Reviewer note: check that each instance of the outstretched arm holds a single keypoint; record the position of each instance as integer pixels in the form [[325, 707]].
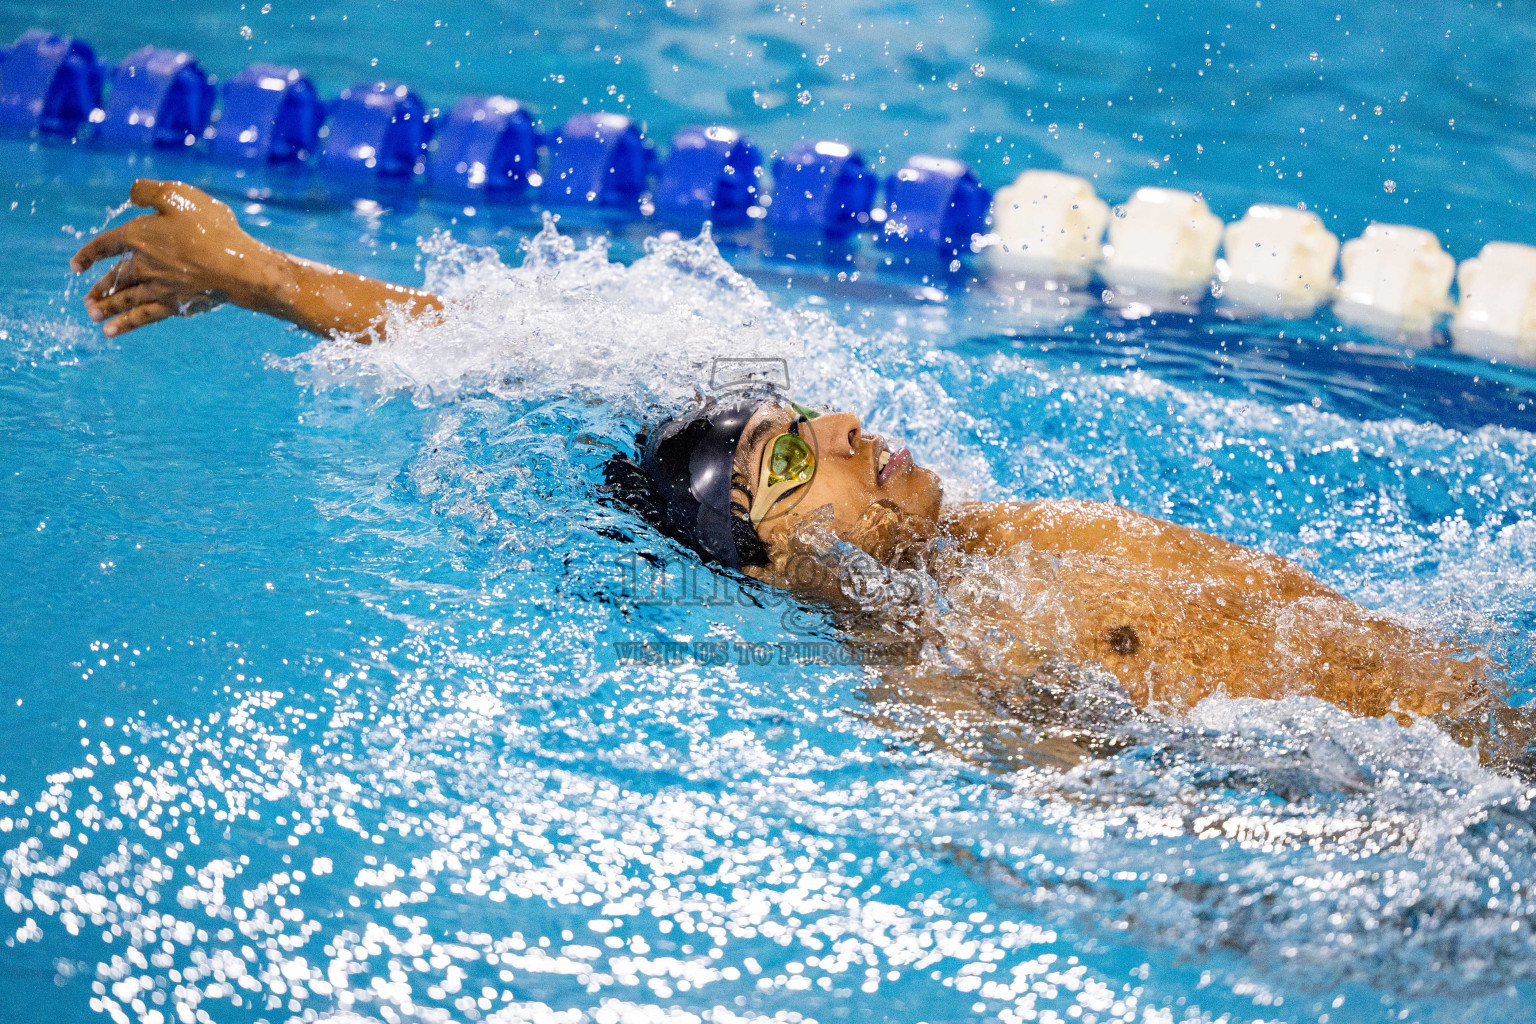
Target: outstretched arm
[[191, 255]]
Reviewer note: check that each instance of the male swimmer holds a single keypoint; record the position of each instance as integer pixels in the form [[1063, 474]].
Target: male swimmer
[[1175, 614]]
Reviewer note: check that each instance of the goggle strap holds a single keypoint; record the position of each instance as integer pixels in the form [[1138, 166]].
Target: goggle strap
[[770, 495]]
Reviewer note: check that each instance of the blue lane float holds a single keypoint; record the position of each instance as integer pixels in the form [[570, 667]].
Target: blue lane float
[[934, 203], [269, 114], [599, 160], [48, 83], [489, 144], [712, 173], [375, 130], [159, 98], [820, 187], [52, 85]]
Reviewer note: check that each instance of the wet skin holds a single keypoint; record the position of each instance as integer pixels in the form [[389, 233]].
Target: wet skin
[[191, 255], [1174, 613]]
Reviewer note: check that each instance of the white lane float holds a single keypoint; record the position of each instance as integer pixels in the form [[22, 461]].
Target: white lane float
[[1164, 245], [1397, 280], [1278, 260], [1046, 226], [1497, 315]]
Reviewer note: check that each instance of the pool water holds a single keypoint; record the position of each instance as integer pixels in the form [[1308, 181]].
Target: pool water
[[317, 699]]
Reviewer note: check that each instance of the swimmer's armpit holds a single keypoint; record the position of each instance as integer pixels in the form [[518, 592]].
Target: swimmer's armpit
[[191, 255]]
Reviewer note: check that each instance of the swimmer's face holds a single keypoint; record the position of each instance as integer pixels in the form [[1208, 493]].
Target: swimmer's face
[[854, 471]]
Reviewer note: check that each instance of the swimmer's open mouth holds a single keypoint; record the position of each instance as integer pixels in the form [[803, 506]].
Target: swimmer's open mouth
[[888, 463]]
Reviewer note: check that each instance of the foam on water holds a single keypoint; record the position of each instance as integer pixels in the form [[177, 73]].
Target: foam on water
[[480, 811], [639, 342]]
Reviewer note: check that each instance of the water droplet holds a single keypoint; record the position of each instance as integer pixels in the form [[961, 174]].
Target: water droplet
[[978, 70], [1389, 185]]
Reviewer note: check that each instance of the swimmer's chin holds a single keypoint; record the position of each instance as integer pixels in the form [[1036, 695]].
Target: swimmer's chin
[[931, 495]]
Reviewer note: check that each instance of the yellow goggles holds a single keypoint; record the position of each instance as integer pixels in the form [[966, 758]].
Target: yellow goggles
[[789, 464]]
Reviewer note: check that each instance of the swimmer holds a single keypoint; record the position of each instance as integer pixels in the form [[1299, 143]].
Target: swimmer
[[1173, 613]]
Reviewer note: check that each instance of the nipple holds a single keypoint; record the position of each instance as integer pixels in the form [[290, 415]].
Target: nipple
[[1123, 640]]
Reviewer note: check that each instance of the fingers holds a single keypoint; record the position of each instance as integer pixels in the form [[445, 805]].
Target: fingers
[[104, 246], [138, 316], [134, 305], [149, 192], [119, 300], [124, 274], [166, 196]]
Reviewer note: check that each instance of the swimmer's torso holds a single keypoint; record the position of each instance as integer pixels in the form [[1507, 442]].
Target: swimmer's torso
[[1177, 614]]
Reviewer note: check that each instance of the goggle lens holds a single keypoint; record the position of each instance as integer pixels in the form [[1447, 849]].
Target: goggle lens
[[791, 459]]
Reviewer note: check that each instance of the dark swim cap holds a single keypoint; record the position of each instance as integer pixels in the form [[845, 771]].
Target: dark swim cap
[[682, 483]]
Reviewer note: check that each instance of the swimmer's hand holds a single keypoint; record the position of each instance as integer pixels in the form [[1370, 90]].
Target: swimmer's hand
[[177, 262], [191, 255]]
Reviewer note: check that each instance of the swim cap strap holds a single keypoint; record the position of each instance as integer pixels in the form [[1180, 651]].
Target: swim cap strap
[[682, 483], [709, 470]]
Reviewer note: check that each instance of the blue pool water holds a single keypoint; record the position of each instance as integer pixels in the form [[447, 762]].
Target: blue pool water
[[312, 703]]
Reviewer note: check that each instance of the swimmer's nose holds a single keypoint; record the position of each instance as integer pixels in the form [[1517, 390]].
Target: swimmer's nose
[[837, 433]]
